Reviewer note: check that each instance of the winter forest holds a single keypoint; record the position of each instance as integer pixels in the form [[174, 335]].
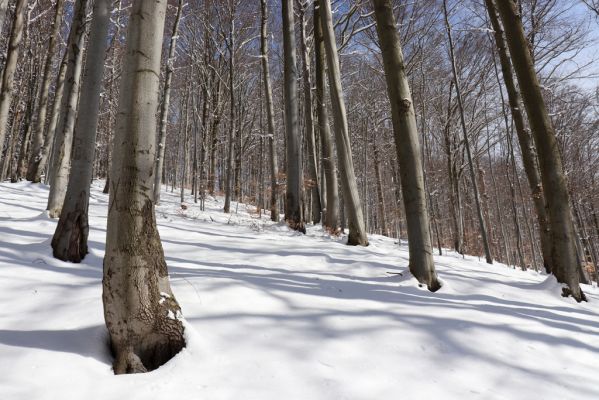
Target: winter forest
[[300, 199]]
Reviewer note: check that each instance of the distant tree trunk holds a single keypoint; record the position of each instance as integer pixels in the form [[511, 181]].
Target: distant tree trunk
[[230, 144], [351, 196], [309, 124], [527, 146], [141, 313], [184, 174], [479, 213], [407, 146], [34, 172], [54, 116], [563, 261], [166, 97], [10, 67], [331, 211], [214, 137], [70, 238], [379, 189], [61, 153], [293, 203]]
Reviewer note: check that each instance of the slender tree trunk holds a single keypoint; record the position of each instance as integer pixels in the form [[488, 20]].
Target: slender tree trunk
[[293, 203], [379, 189], [186, 137], [70, 238], [407, 146], [55, 114], [10, 67], [357, 230], [61, 153], [142, 316], [230, 144], [331, 211], [563, 261], [309, 124], [34, 172], [527, 146], [166, 96], [479, 213]]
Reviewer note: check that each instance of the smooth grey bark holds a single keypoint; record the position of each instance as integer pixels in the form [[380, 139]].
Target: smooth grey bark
[[312, 162], [10, 67], [564, 263], [69, 242], [479, 213], [407, 146], [186, 140], [527, 147], [35, 170], [54, 116], [379, 189], [61, 152], [293, 194], [142, 316], [331, 211], [166, 96], [351, 196], [270, 117]]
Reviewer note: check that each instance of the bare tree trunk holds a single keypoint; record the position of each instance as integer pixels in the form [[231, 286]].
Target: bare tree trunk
[[527, 146], [309, 124], [34, 172], [407, 146], [479, 213], [563, 261], [331, 211], [70, 238], [379, 189], [184, 174], [166, 97], [351, 196], [142, 316], [293, 203], [61, 153], [55, 114], [10, 67], [230, 144]]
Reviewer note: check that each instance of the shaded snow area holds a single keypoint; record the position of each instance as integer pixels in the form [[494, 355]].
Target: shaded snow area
[[271, 314]]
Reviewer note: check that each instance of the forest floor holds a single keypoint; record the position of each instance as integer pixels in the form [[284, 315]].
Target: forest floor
[[273, 314]]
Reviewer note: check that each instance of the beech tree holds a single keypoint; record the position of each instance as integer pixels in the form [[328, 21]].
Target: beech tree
[[408, 147], [564, 262], [70, 238], [141, 312]]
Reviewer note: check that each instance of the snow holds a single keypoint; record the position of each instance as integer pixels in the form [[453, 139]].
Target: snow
[[272, 314]]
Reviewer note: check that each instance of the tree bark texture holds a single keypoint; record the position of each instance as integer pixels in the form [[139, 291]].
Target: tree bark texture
[[141, 313]]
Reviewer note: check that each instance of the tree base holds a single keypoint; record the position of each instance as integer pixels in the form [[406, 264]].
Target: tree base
[[69, 242]]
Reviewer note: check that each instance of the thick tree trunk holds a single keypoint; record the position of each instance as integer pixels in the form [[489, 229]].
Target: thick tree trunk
[[331, 211], [527, 147], [351, 196], [293, 203], [142, 316], [166, 96], [563, 250], [408, 147], [312, 162], [70, 238], [479, 213], [34, 172], [61, 153], [10, 67]]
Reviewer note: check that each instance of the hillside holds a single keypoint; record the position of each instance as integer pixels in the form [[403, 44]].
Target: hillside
[[273, 314]]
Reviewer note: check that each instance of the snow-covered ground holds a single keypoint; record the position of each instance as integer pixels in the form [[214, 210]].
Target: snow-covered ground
[[272, 314]]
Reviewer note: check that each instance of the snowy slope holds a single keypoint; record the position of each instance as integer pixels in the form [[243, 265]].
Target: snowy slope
[[275, 315]]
